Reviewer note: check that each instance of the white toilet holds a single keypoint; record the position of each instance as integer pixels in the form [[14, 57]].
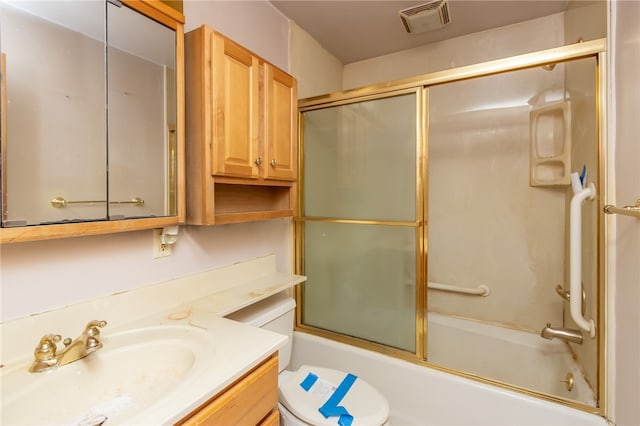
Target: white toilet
[[302, 393]]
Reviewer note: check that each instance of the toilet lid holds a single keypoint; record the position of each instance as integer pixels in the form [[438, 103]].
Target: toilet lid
[[362, 401]]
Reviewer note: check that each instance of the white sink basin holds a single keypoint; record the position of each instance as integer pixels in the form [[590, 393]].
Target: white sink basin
[[134, 370]]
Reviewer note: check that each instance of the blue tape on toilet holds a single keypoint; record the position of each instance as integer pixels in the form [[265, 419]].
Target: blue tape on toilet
[[308, 381], [331, 407]]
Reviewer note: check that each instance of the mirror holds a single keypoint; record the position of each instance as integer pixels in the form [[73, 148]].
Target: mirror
[[89, 113]]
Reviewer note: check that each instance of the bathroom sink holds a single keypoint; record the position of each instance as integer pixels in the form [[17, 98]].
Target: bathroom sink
[[135, 370]]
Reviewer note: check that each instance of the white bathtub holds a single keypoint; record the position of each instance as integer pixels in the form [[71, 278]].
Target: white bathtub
[[510, 356], [424, 396]]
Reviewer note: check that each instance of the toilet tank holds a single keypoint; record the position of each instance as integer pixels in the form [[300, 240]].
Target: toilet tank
[[274, 313]]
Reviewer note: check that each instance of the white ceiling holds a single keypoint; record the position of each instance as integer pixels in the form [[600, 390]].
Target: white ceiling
[[354, 30]]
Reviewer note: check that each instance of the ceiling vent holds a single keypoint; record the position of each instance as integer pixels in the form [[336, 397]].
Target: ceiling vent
[[425, 17]]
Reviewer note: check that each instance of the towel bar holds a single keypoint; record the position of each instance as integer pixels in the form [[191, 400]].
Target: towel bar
[[633, 211], [59, 202]]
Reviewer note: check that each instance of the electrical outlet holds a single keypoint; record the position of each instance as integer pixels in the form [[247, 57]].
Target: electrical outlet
[[159, 249]]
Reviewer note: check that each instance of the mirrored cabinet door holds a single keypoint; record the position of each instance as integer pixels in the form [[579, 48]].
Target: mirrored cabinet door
[[92, 111], [54, 95], [141, 85]]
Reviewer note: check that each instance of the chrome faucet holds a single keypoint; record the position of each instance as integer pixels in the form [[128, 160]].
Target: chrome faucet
[[567, 334], [46, 353]]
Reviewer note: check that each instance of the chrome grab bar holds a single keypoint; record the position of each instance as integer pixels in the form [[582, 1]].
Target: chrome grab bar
[[633, 211], [481, 290], [59, 202]]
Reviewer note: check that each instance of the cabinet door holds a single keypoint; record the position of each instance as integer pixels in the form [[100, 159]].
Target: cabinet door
[[272, 419], [281, 124], [250, 401], [235, 75]]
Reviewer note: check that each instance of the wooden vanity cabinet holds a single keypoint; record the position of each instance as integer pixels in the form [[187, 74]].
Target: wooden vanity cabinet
[[241, 133], [251, 400]]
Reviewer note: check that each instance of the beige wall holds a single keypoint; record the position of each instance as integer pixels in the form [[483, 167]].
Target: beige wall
[[317, 71], [624, 273], [256, 25], [585, 22]]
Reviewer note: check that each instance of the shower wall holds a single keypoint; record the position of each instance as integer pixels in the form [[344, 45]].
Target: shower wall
[[585, 22], [487, 225]]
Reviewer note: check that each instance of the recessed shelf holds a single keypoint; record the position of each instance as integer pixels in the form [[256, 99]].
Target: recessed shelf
[[550, 144], [241, 203]]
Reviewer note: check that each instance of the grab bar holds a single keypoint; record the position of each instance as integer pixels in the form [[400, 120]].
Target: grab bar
[[566, 296], [575, 258], [481, 290], [633, 211], [59, 202]]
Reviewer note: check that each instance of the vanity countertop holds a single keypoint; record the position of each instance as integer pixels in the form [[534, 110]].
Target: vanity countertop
[[196, 303], [238, 348]]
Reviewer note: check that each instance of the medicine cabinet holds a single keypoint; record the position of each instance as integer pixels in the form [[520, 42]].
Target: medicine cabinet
[[92, 117]]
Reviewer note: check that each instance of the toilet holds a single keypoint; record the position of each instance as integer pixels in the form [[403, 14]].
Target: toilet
[[303, 394]]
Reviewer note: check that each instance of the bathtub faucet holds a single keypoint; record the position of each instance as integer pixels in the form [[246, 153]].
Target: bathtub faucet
[[567, 334]]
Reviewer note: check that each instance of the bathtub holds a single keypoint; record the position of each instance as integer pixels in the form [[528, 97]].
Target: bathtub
[[539, 365], [419, 395]]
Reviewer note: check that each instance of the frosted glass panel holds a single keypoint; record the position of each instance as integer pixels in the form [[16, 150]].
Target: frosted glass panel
[[360, 160], [361, 281]]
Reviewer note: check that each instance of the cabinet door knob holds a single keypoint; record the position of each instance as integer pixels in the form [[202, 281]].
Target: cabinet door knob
[[273, 163], [258, 161]]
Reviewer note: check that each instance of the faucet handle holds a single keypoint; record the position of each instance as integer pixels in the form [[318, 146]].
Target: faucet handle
[[92, 331], [91, 328], [46, 349]]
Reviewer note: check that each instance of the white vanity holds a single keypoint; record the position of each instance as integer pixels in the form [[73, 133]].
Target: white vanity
[[168, 356]]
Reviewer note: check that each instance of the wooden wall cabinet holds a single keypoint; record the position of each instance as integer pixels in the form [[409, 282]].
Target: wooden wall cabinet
[[241, 133], [252, 400]]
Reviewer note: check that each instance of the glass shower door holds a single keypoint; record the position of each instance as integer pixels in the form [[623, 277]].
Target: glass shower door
[[451, 248], [498, 216], [359, 219]]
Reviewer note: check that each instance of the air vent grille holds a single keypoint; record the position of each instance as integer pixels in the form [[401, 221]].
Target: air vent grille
[[444, 14], [422, 7], [425, 17]]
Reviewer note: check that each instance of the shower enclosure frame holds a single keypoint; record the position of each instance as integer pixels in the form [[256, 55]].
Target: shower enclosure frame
[[420, 85]]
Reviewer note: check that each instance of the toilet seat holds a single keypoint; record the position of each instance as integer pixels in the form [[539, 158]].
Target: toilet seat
[[362, 401]]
